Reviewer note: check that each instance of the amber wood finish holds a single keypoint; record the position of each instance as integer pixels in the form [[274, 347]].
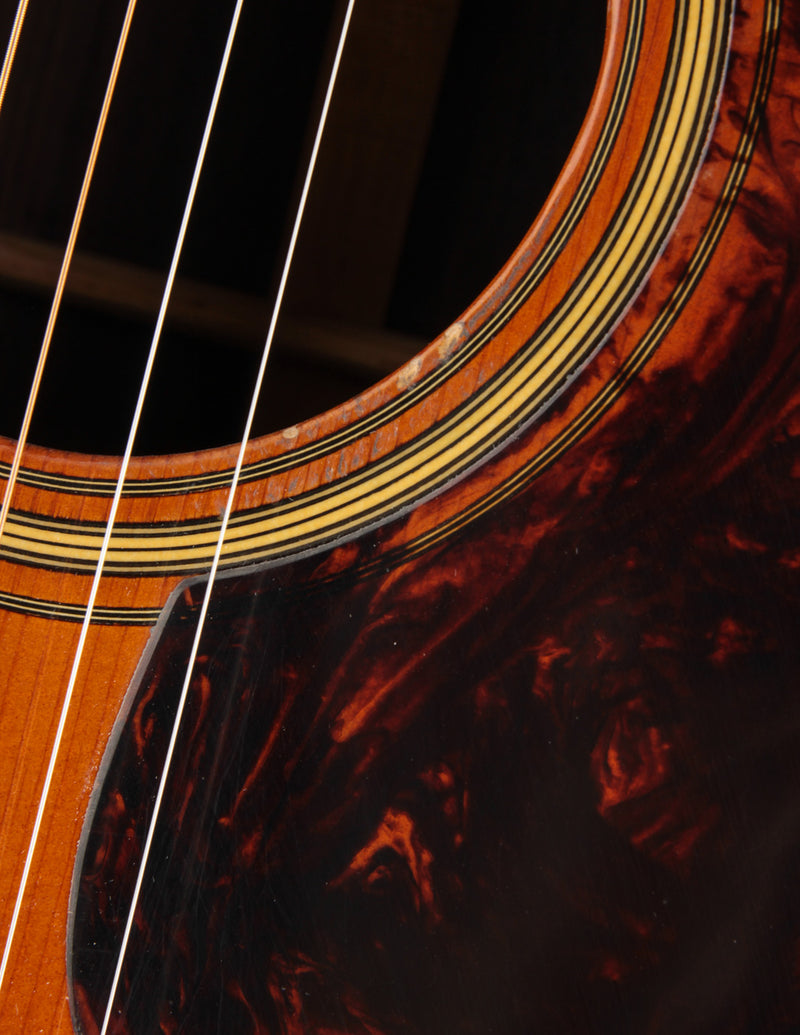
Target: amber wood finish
[[647, 258]]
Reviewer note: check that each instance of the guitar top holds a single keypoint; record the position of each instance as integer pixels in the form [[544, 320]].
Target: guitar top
[[491, 724]]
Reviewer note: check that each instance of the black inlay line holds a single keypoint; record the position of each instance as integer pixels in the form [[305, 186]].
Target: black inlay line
[[544, 331], [263, 468], [588, 418], [612, 311]]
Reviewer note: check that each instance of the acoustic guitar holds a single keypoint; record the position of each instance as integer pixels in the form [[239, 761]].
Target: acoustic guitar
[[481, 716]]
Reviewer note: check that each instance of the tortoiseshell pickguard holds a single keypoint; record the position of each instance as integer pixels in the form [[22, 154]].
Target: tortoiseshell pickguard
[[541, 777], [529, 780]]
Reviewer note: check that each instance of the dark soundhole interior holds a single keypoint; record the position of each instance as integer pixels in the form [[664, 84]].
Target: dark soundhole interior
[[425, 185]]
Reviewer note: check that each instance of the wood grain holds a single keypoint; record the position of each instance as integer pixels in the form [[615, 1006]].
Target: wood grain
[[658, 278]]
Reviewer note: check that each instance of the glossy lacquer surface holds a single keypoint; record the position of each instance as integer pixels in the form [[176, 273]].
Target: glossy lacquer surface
[[497, 731]]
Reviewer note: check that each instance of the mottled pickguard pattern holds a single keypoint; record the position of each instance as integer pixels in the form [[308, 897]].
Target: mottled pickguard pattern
[[543, 778], [537, 782]]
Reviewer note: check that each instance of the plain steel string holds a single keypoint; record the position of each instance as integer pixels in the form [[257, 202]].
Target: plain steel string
[[118, 491], [64, 271], [226, 517], [11, 49]]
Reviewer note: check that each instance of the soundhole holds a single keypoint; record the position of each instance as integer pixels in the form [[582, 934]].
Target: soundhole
[[447, 131]]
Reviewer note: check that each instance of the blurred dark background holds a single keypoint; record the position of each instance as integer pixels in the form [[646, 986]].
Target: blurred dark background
[[447, 132]]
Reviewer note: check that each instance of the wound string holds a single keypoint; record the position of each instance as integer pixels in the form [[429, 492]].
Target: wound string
[[120, 483], [22, 438], [11, 49]]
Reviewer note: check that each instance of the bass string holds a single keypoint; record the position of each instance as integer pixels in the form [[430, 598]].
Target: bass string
[[69, 250], [212, 573], [22, 439], [11, 48], [134, 426], [69, 692]]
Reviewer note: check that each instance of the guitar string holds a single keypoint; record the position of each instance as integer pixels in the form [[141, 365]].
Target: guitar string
[[11, 48], [44, 796], [227, 515], [66, 263]]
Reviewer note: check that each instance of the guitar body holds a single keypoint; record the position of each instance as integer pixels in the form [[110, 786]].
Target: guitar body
[[493, 723]]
